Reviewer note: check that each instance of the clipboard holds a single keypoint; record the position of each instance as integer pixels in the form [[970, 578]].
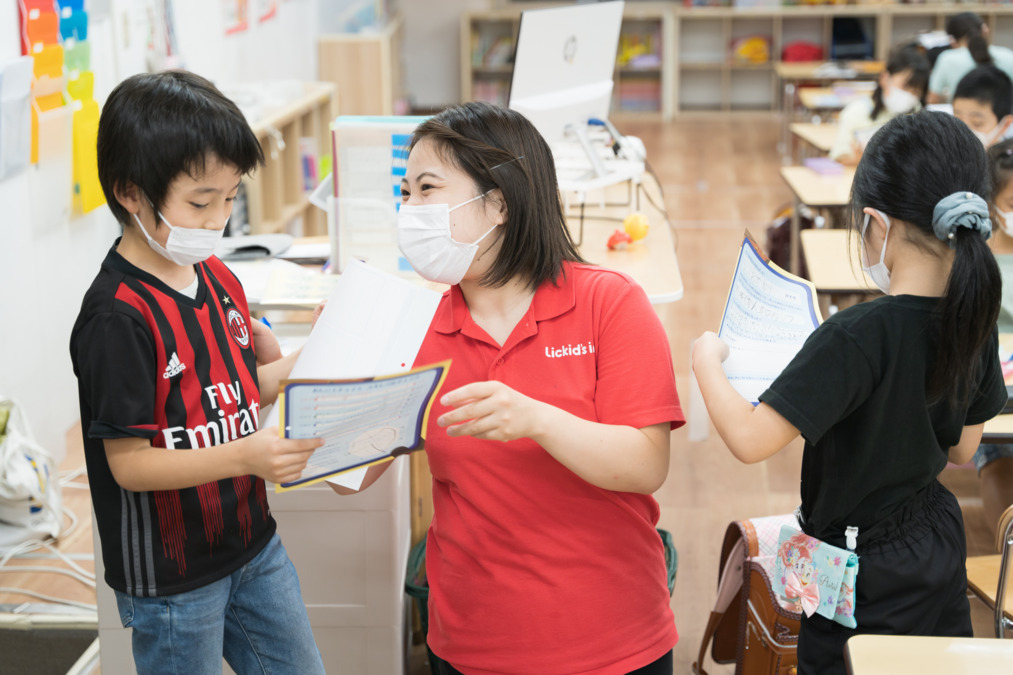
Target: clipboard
[[363, 421]]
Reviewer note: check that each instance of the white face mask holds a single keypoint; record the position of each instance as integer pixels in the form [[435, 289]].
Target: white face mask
[[1007, 222], [185, 245], [989, 138], [423, 235], [879, 273], [899, 101]]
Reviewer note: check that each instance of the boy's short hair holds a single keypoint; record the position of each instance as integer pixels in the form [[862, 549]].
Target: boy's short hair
[[987, 85], [155, 126]]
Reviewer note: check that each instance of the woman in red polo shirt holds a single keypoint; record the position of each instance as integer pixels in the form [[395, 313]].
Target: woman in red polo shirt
[[542, 556]]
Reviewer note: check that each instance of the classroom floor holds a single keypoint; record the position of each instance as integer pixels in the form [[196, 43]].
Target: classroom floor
[[720, 176]]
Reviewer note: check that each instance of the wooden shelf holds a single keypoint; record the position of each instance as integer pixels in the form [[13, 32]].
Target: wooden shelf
[[365, 68], [276, 195], [492, 35]]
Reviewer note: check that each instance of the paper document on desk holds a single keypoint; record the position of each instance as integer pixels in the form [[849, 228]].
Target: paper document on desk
[[364, 422], [373, 324], [768, 315]]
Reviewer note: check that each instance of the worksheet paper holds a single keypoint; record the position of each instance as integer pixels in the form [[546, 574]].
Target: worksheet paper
[[373, 324], [363, 422], [768, 316]]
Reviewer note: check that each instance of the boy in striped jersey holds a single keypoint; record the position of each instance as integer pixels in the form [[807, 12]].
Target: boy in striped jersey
[[171, 389]]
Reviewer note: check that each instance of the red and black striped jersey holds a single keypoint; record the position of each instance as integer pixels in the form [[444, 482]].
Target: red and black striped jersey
[[153, 363]]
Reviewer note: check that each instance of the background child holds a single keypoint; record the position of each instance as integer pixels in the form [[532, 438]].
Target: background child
[[886, 391], [983, 101], [969, 36], [171, 391], [900, 89], [995, 461]]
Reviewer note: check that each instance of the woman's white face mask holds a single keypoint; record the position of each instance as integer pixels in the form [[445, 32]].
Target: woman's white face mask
[[899, 101], [423, 235]]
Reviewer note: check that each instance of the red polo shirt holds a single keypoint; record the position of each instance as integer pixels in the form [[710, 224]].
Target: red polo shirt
[[531, 568]]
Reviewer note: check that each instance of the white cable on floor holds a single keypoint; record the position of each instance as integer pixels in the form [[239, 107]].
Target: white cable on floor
[[48, 598]]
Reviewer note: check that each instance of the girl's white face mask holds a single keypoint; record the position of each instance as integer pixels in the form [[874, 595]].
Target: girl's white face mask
[[1007, 222], [879, 273], [423, 235], [899, 101], [185, 246]]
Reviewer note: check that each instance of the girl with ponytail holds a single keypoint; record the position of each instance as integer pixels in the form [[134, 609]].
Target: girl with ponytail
[[884, 393], [969, 37]]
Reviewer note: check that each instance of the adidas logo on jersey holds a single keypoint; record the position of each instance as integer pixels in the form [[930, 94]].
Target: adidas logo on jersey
[[174, 368]]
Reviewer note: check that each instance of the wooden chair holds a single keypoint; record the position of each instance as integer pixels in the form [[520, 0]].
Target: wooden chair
[[987, 575]]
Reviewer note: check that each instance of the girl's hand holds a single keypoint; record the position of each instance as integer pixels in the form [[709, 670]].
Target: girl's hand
[[491, 411], [709, 347], [265, 344]]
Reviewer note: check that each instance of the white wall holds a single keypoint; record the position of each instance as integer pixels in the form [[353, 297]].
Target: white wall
[[432, 43], [47, 264]]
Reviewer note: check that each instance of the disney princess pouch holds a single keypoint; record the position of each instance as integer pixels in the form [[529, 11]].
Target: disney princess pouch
[[817, 577]]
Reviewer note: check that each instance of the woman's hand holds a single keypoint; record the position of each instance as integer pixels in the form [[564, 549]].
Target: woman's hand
[[491, 411], [316, 313]]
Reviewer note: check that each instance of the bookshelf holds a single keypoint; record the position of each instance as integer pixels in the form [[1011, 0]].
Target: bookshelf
[[365, 67], [697, 70], [277, 194], [643, 63]]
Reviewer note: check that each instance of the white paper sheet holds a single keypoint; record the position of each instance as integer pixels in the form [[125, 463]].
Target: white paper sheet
[[373, 324], [768, 316]]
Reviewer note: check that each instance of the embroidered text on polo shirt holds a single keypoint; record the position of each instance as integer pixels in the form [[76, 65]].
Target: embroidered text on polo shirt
[[578, 349]]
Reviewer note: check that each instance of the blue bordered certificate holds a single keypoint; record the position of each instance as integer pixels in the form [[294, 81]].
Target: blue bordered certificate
[[363, 421], [768, 316]]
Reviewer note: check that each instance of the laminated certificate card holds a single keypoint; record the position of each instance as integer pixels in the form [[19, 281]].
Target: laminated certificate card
[[362, 422], [768, 315]]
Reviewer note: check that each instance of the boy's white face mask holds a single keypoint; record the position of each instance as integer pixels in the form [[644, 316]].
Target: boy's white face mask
[[423, 235], [185, 246], [879, 273]]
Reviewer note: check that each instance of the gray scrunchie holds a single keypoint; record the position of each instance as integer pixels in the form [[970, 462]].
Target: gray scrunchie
[[961, 209]]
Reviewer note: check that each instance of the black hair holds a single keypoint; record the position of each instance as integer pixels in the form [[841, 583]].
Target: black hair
[[500, 149], [1001, 160], [156, 126], [904, 58], [987, 85], [968, 25], [901, 174]]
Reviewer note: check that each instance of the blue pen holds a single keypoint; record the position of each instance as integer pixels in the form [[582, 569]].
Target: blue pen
[[264, 321]]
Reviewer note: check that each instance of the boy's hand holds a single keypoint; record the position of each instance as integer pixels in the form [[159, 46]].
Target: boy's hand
[[489, 410], [265, 344], [709, 347], [279, 460], [317, 312]]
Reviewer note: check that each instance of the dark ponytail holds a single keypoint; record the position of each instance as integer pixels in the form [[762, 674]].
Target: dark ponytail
[[909, 58], [901, 175], [968, 25]]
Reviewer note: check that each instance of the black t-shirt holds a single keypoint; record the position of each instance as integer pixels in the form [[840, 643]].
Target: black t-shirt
[[856, 392], [153, 363]]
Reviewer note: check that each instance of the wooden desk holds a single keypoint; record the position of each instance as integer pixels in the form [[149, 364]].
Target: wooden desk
[[827, 99], [815, 190], [834, 266], [819, 136], [791, 74], [650, 261], [916, 654]]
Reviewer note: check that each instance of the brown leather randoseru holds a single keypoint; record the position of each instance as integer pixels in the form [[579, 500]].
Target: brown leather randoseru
[[748, 625]]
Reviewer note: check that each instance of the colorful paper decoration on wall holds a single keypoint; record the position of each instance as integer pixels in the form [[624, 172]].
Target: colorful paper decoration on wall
[[55, 35]]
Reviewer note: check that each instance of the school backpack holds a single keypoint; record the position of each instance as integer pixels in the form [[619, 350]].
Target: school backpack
[[749, 624]]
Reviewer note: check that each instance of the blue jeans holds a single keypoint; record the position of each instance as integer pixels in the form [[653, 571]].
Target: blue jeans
[[255, 618]]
